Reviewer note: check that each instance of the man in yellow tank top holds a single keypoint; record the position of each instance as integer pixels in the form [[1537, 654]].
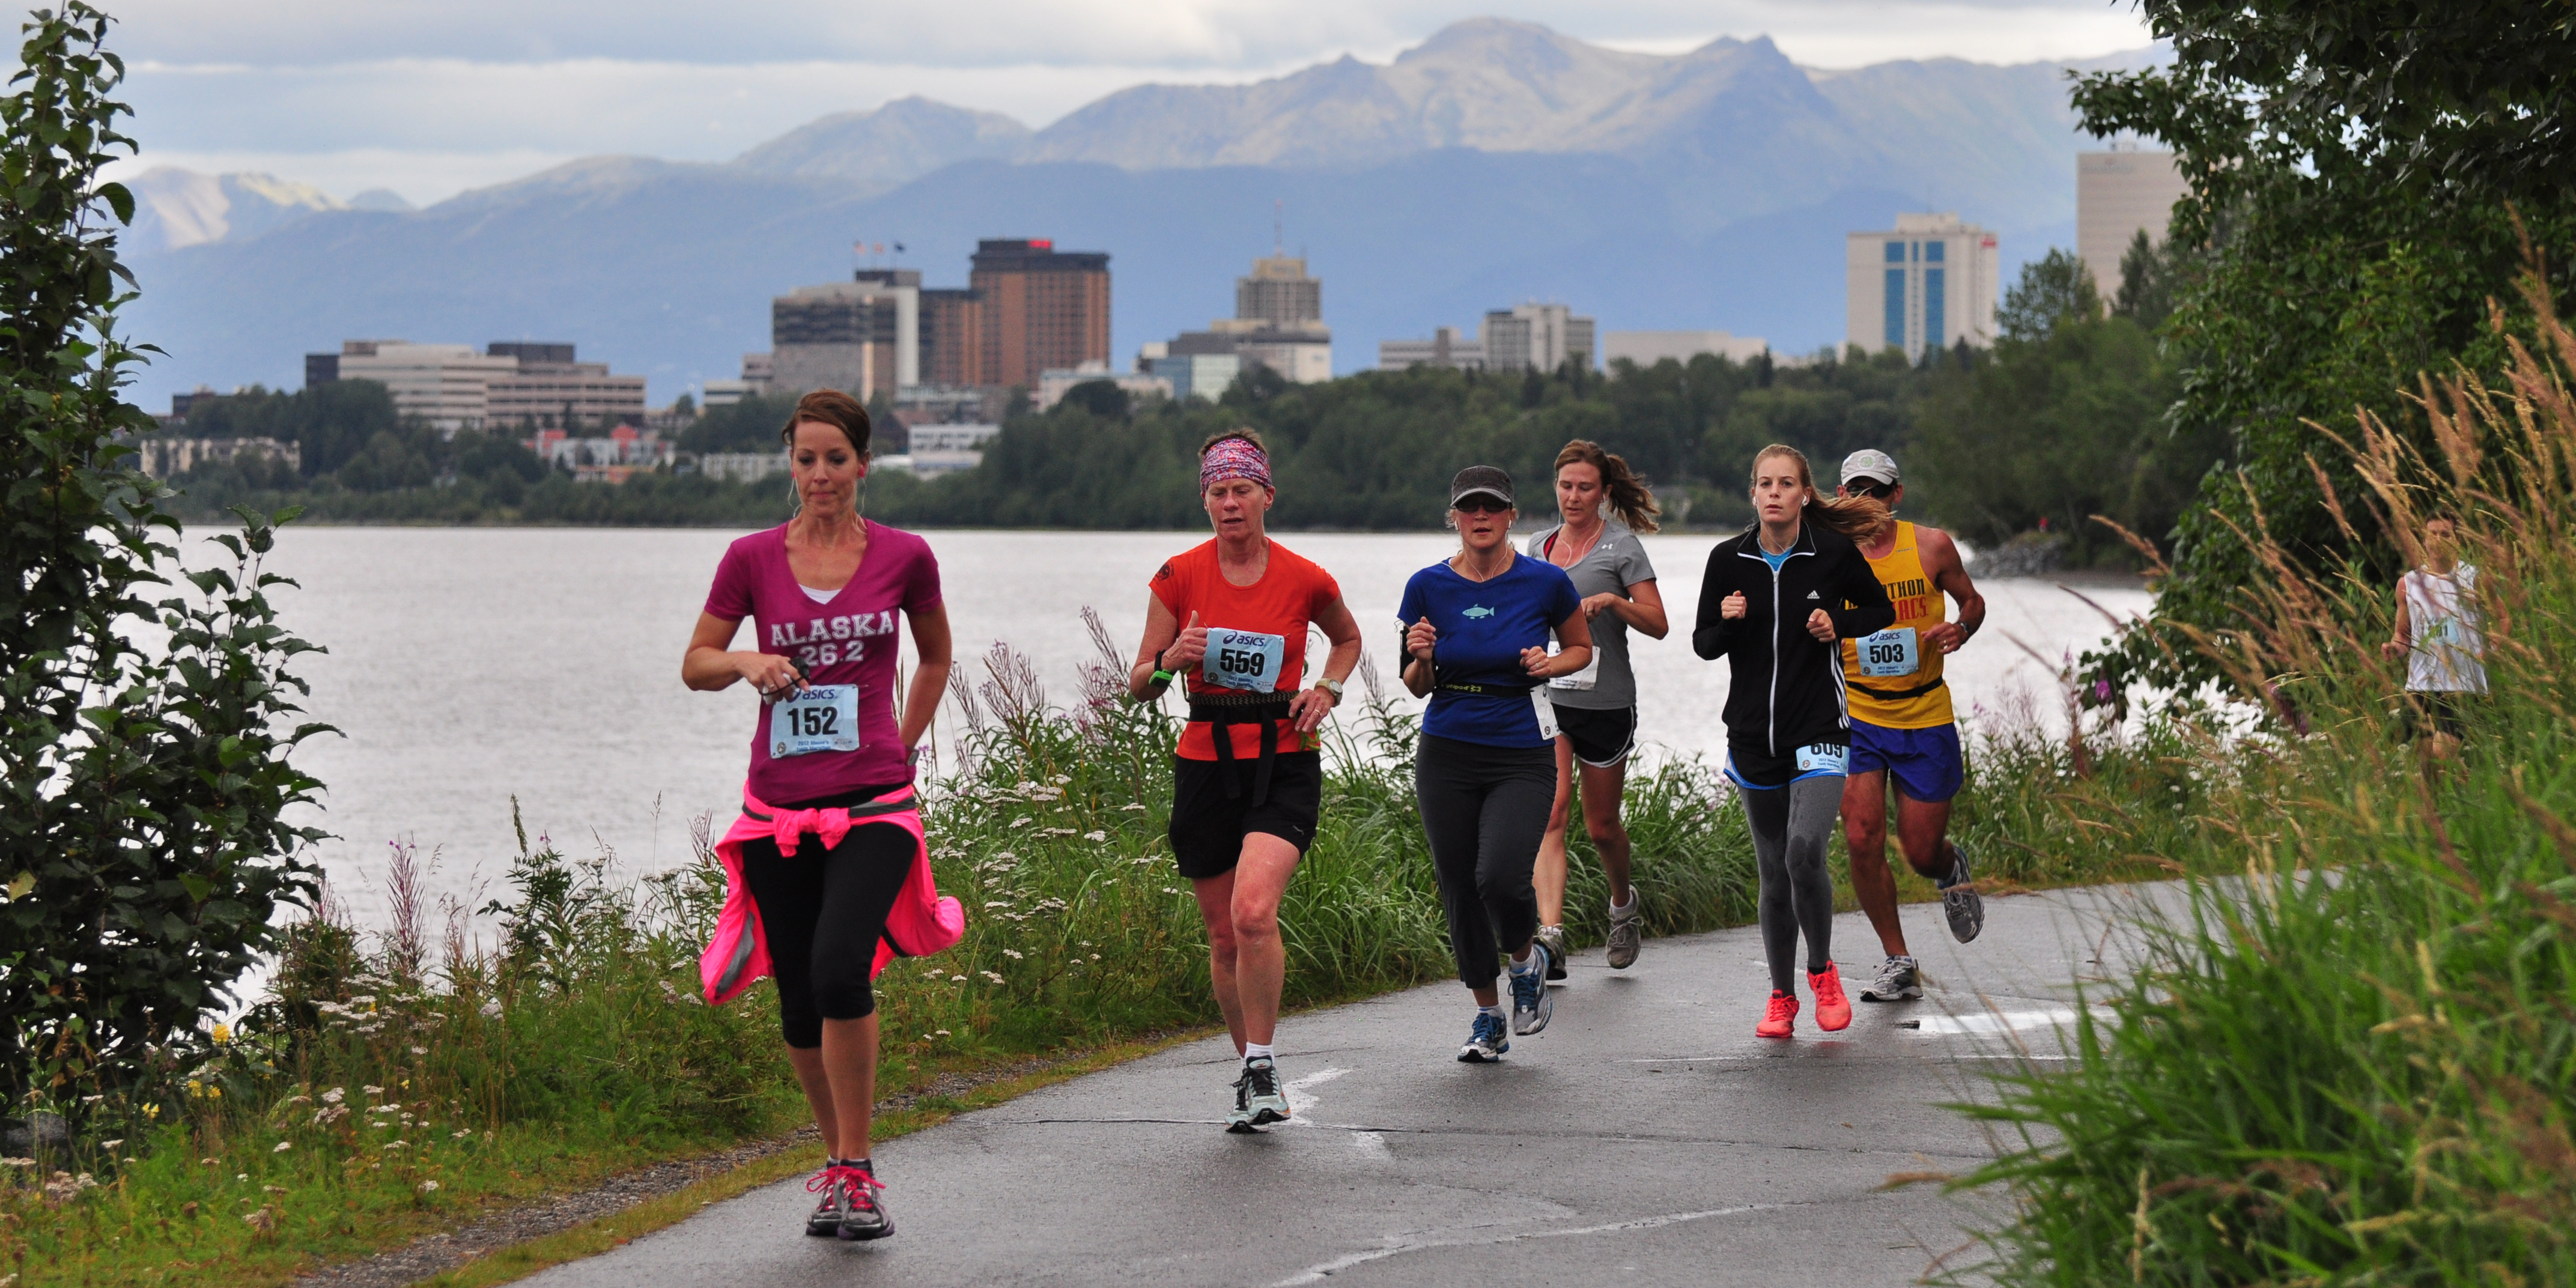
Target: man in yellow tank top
[[1903, 728]]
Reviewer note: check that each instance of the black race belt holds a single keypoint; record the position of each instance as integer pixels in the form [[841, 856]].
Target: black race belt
[[1222, 711], [1898, 695]]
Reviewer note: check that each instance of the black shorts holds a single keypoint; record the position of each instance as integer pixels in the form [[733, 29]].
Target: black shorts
[[1601, 738], [1208, 826]]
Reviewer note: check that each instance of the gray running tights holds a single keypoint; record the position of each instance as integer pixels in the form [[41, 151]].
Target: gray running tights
[[1485, 810], [1792, 826]]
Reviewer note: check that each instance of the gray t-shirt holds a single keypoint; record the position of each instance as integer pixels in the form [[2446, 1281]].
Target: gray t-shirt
[[1613, 564]]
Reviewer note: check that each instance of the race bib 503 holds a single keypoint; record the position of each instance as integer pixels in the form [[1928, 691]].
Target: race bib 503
[[1890, 652]]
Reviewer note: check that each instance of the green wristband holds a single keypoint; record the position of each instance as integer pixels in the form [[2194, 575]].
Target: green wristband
[[1165, 677]]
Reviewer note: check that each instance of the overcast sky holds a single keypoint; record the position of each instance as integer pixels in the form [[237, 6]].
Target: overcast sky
[[431, 97]]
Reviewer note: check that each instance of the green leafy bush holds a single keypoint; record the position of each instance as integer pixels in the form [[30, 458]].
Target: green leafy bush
[[143, 848]]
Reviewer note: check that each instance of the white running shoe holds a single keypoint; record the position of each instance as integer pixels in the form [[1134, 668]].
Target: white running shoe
[[1899, 980], [1532, 1003]]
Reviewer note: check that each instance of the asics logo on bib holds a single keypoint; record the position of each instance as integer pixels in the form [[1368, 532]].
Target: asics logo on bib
[[827, 641]]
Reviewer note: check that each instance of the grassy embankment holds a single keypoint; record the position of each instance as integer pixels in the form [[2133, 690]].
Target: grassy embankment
[[397, 1084], [2358, 1064]]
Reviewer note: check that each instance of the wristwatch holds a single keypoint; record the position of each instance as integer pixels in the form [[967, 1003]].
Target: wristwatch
[[1330, 685]]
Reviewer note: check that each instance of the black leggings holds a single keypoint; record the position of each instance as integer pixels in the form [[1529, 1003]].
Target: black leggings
[[1485, 809], [822, 912]]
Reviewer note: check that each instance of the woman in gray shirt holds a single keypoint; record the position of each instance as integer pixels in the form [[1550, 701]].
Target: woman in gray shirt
[[1605, 506]]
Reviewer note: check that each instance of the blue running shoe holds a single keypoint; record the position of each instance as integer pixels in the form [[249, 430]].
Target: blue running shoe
[[1485, 1042], [1531, 1002]]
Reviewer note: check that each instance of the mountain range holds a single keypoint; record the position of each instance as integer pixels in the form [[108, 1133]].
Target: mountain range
[[1495, 162]]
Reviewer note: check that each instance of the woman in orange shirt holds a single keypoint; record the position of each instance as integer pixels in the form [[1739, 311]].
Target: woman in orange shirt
[[1231, 616]]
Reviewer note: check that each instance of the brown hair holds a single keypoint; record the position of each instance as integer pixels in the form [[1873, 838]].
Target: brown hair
[[834, 408], [1246, 433], [1624, 488], [1857, 517]]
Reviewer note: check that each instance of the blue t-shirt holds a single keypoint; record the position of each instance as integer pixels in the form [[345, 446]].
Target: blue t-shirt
[[1483, 626]]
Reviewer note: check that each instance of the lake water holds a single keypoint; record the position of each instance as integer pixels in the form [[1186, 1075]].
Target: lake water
[[471, 665]]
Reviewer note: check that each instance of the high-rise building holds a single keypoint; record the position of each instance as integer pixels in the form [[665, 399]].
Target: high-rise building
[[1280, 294], [511, 383], [2118, 193], [1540, 337], [1043, 309], [1926, 284], [861, 336], [952, 337]]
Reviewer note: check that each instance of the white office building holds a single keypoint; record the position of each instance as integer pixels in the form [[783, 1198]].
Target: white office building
[[1203, 376], [1646, 348], [447, 385], [2118, 193], [1925, 284], [1053, 385], [1445, 348]]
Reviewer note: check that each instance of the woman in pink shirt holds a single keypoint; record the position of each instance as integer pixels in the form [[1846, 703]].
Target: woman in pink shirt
[[823, 591]]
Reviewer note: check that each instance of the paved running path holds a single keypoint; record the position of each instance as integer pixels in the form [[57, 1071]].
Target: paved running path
[[1647, 1137]]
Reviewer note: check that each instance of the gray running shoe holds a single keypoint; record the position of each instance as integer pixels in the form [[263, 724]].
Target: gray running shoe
[[825, 1220], [1531, 1002], [1899, 980], [1554, 938], [1262, 1097], [1960, 901], [1627, 931], [1239, 1118], [863, 1213], [1486, 1042]]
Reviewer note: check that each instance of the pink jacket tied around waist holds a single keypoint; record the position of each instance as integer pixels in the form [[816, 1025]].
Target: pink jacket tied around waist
[[921, 923]]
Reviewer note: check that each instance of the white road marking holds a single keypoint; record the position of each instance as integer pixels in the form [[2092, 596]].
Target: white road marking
[[1301, 1100], [1318, 1272], [1373, 1144], [1992, 1022]]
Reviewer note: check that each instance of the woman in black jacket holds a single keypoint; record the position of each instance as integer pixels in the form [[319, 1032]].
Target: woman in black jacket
[[1775, 601]]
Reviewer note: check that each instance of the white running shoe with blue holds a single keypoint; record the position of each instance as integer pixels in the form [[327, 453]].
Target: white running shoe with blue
[[1532, 1003], [1960, 901], [1486, 1042]]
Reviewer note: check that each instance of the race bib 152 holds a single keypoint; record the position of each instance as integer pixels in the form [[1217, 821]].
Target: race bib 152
[[825, 717]]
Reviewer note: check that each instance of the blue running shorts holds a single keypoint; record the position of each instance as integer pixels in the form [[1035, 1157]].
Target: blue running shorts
[[1925, 762]]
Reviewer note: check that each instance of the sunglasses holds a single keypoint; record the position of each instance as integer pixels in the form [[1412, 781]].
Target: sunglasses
[[1481, 503]]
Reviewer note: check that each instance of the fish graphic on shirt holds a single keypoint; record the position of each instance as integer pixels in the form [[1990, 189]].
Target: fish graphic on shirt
[[1478, 611]]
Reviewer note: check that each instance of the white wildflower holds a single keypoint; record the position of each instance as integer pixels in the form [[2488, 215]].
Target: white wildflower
[[1012, 953], [334, 1096], [283, 1146], [429, 1187], [1095, 837]]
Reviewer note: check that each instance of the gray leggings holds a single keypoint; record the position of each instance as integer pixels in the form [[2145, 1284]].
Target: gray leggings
[[1792, 826]]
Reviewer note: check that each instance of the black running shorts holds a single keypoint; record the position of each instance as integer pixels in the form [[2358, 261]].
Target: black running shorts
[[1208, 826], [1601, 738]]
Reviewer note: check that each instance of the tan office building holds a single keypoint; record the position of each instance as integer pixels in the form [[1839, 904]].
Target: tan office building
[[2118, 193], [1925, 284]]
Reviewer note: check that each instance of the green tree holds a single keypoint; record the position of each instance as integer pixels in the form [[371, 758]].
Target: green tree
[[2054, 289], [143, 849], [2362, 176]]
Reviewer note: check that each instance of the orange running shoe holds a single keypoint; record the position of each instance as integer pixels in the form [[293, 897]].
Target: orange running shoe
[[1833, 1010], [1778, 1018]]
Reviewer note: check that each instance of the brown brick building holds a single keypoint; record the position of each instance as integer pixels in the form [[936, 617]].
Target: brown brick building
[[953, 352], [1042, 309]]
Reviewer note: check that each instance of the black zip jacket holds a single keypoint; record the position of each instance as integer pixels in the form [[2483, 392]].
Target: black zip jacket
[[1787, 690]]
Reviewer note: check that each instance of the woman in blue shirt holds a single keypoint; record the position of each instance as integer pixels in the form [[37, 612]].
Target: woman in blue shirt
[[1485, 772]]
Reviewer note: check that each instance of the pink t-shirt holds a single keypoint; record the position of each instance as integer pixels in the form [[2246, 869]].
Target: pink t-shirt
[[849, 640]]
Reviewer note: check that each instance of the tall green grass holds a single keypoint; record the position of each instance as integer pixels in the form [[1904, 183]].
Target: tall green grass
[[2354, 1063]]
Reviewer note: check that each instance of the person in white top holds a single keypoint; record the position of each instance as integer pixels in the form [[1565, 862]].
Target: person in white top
[[2439, 635]]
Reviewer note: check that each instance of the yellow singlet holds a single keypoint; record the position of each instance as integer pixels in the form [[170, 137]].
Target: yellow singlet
[[1895, 681]]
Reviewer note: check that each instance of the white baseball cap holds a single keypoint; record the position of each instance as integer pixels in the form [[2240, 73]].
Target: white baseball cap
[[1870, 463]]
